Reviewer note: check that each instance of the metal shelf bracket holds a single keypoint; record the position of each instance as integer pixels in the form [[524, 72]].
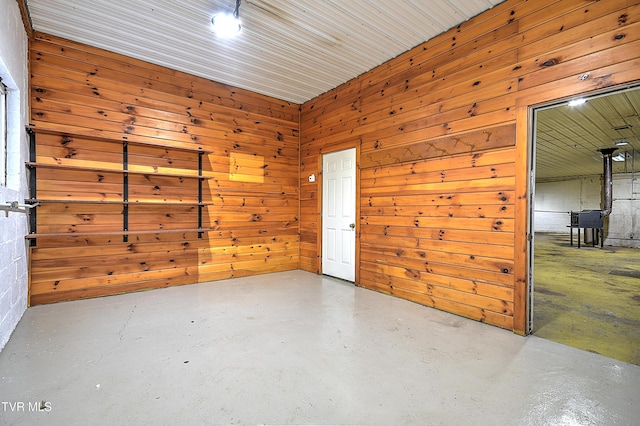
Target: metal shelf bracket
[[14, 206]]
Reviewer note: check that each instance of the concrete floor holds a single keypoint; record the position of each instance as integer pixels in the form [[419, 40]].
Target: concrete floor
[[295, 348], [588, 298]]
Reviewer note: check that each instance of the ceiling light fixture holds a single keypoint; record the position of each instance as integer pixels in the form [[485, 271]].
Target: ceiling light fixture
[[623, 127], [620, 157], [622, 143], [227, 25], [576, 102]]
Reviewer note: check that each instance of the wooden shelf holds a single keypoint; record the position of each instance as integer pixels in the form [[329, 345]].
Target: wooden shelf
[[33, 201], [93, 234], [158, 203], [124, 139], [115, 170], [130, 203], [126, 169]]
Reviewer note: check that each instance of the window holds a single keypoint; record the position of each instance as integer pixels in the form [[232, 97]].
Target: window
[[3, 133]]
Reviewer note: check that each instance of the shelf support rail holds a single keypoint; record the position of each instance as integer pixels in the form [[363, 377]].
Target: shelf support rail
[[33, 217], [200, 193], [125, 190]]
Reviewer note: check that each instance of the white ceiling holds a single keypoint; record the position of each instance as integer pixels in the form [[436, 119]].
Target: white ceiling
[[296, 50], [291, 50], [568, 138]]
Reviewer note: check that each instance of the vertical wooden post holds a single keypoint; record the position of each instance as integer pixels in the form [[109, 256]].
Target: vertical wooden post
[[522, 224]]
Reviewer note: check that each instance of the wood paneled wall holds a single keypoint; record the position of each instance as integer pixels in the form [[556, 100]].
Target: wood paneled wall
[[87, 105], [442, 133]]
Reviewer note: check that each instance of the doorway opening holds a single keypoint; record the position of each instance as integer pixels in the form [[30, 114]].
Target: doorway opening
[[585, 276], [339, 214]]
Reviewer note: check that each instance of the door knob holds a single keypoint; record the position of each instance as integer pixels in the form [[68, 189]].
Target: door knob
[[352, 226]]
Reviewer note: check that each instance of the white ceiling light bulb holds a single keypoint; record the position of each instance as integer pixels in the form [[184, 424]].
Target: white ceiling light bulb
[[227, 24]]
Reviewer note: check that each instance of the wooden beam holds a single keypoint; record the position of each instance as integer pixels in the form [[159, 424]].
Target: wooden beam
[[26, 17], [522, 232]]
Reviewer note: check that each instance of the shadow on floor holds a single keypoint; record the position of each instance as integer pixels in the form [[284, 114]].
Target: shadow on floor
[[587, 298]]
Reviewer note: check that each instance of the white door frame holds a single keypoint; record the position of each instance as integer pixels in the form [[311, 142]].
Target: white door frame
[[533, 120], [351, 275]]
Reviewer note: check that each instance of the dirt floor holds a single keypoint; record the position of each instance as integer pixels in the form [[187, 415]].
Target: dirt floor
[[588, 298]]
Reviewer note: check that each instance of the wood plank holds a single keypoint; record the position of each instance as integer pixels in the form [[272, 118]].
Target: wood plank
[[106, 167], [453, 162], [418, 259], [456, 175], [616, 54], [454, 271], [469, 211], [442, 199], [440, 234], [90, 292], [468, 243], [67, 274], [469, 286], [97, 134], [481, 185], [222, 245]]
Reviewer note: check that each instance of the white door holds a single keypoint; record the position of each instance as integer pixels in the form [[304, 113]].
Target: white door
[[339, 214]]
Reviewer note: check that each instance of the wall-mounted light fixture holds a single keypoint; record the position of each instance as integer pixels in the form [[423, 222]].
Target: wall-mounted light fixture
[[227, 25]]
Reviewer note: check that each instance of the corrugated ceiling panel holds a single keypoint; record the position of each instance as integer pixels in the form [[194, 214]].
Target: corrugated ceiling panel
[[568, 138]]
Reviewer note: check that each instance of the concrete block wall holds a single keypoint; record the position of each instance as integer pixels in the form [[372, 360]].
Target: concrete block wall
[[554, 201], [13, 248], [624, 222]]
